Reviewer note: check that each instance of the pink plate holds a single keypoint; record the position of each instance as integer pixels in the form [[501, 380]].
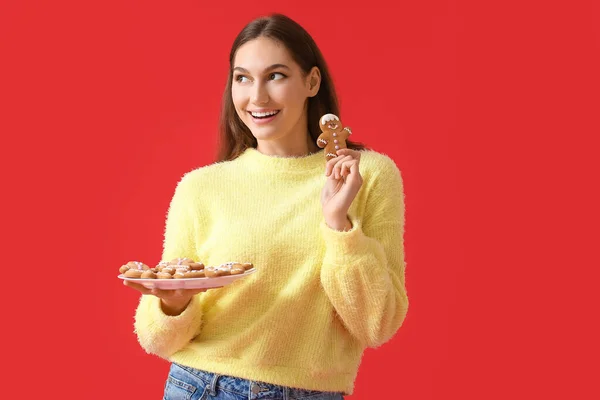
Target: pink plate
[[188, 283]]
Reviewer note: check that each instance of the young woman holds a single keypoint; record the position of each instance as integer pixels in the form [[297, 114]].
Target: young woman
[[325, 237]]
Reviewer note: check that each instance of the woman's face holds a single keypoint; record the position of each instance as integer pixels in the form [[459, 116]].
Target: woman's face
[[270, 91]]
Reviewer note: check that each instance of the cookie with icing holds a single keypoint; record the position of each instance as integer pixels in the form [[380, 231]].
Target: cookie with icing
[[183, 268], [333, 136], [182, 261], [133, 265]]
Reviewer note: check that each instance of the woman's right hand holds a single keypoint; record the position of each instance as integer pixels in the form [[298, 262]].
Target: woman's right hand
[[173, 302]]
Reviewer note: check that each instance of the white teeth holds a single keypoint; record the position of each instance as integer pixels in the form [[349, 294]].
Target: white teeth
[[265, 114]]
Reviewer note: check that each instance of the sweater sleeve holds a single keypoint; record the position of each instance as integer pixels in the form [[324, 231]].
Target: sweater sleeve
[[157, 332], [363, 268]]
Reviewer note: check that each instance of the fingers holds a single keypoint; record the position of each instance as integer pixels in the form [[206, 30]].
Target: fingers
[[196, 291], [344, 155], [164, 294], [343, 167], [333, 163], [336, 171], [348, 167], [354, 175], [170, 294], [343, 152], [174, 294], [136, 286]]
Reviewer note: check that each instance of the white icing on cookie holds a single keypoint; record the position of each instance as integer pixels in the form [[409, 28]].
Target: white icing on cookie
[[328, 117]]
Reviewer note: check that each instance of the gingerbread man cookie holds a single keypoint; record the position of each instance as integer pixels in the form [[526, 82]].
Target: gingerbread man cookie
[[134, 269], [182, 268], [334, 135]]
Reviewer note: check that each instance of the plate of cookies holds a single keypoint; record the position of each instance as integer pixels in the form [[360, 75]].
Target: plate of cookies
[[184, 273]]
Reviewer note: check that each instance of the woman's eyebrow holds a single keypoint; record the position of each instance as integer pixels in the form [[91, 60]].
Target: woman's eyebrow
[[269, 68]]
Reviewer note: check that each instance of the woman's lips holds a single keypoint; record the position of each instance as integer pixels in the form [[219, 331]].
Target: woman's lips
[[263, 120]]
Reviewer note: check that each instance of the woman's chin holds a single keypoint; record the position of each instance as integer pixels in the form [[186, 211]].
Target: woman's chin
[[264, 132]]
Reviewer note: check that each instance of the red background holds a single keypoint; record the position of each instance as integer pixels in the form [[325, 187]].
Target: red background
[[490, 111]]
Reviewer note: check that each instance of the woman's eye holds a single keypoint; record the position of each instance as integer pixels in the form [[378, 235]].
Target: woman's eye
[[241, 78], [276, 75]]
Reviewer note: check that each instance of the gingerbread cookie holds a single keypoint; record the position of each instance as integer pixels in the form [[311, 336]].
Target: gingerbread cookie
[[247, 266], [181, 261], [182, 268], [333, 136], [148, 274], [216, 271], [164, 275], [133, 266], [194, 274], [196, 266]]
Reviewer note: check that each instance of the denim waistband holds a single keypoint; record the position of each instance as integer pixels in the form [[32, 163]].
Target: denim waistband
[[253, 389]]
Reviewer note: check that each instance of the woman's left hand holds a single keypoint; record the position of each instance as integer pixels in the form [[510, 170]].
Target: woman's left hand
[[342, 185]]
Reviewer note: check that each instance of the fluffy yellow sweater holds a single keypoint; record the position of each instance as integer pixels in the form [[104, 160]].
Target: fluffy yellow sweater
[[318, 297]]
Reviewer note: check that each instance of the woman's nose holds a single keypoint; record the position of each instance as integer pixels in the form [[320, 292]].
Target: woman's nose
[[260, 94]]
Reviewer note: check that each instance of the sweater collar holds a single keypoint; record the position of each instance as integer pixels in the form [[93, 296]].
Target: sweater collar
[[310, 162]]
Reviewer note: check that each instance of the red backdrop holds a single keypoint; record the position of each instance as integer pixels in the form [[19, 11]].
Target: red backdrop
[[490, 111]]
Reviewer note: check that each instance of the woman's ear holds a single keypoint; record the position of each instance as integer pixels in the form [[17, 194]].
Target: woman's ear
[[314, 81]]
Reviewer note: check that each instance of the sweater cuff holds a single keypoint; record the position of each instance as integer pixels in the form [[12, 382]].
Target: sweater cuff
[[342, 247], [162, 334], [187, 316], [153, 326]]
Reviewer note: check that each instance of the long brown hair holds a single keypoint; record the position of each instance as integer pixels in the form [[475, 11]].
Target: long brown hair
[[234, 135]]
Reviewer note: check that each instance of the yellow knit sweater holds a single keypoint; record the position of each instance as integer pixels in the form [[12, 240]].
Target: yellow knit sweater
[[318, 297]]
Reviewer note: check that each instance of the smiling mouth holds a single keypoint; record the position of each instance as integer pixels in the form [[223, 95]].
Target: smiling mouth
[[265, 115]]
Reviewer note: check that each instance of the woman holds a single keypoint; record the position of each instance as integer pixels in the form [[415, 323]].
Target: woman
[[326, 239]]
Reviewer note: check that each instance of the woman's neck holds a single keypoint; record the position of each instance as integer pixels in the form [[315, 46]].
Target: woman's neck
[[287, 149]]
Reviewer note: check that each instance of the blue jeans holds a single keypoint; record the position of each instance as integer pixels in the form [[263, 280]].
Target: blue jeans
[[193, 384]]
